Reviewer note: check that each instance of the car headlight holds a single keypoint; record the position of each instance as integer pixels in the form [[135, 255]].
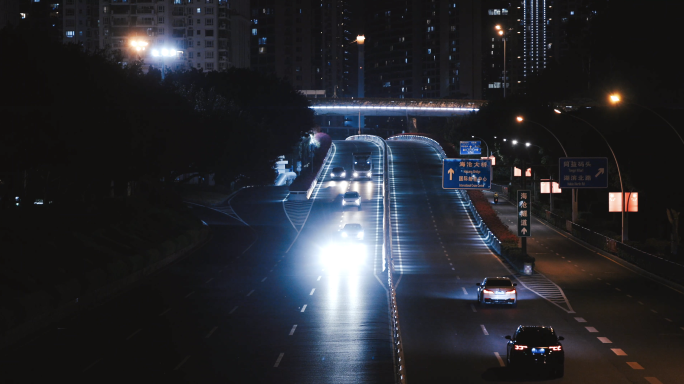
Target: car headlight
[[344, 174], [360, 235], [358, 200], [344, 234], [344, 202], [370, 174], [356, 174], [332, 174]]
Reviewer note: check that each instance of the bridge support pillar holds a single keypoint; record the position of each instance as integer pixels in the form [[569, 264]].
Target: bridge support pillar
[[412, 124]]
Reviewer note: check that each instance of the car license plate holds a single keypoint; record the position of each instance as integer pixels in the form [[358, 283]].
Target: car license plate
[[538, 351], [499, 293]]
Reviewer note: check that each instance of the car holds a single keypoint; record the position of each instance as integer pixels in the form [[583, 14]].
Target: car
[[351, 231], [536, 347], [351, 198], [338, 173], [497, 290]]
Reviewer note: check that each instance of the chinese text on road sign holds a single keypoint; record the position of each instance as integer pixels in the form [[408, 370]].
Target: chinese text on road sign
[[524, 214], [470, 148], [583, 172], [466, 174]]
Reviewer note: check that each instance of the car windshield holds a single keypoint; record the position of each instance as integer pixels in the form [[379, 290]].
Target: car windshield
[[536, 337], [338, 169], [351, 195], [352, 227], [499, 283]]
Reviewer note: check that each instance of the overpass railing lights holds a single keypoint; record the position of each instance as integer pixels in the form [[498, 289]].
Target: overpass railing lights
[[355, 107]]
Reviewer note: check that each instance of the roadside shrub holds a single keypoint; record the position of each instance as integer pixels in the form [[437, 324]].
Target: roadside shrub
[[492, 220]]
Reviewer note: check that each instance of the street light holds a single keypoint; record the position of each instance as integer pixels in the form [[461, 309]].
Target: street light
[[164, 52], [624, 235], [477, 137], [501, 33], [574, 196], [615, 99]]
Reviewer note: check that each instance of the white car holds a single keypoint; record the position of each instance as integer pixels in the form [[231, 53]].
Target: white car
[[351, 198], [351, 231], [497, 290], [338, 173]]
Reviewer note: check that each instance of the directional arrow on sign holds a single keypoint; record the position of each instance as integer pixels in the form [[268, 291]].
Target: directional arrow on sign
[[451, 173], [524, 231], [601, 171]]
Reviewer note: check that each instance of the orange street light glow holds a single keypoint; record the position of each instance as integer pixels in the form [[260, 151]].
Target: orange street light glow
[[520, 119], [614, 98]]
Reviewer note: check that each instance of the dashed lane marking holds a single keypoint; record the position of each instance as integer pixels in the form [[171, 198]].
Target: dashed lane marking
[[591, 329], [618, 351], [292, 331], [604, 340], [211, 332], [277, 363], [303, 308], [484, 330], [580, 320], [181, 363], [464, 291], [634, 365], [498, 357], [653, 380], [133, 334], [232, 310]]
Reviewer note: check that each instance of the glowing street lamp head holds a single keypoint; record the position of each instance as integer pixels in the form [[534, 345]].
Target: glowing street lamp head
[[498, 27], [614, 98], [360, 39], [514, 142], [557, 111], [527, 144], [501, 33], [519, 119], [139, 45]]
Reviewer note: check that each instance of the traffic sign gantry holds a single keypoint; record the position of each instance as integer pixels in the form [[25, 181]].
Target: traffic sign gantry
[[471, 148], [466, 174], [583, 172], [524, 213]]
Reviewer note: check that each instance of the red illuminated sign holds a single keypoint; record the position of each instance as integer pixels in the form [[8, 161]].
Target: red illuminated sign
[[544, 186], [517, 172], [631, 204]]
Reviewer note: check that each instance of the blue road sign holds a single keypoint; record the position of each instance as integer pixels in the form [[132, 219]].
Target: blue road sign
[[583, 172], [470, 148], [467, 174]]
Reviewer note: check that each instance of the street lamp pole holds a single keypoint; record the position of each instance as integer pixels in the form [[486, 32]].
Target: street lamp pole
[[622, 188], [501, 33], [574, 196], [615, 99], [476, 137]]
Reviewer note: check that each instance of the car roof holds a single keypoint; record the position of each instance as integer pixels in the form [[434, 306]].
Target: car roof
[[338, 169], [352, 226], [535, 328], [351, 193]]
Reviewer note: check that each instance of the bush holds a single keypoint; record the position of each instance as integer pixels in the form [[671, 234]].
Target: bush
[[492, 220], [303, 182]]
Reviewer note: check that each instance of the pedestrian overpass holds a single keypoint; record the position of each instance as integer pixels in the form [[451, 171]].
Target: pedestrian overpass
[[409, 108]]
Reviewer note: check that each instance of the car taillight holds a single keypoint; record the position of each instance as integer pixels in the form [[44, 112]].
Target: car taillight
[[487, 291], [520, 347], [556, 348], [511, 292]]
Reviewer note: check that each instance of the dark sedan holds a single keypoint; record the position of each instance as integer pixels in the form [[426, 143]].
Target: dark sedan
[[536, 347]]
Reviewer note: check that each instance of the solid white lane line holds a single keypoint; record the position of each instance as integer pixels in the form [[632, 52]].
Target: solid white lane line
[[472, 306], [188, 295], [293, 329], [264, 279], [498, 357], [303, 308], [484, 330], [580, 319], [210, 332], [604, 340], [319, 278], [312, 291], [464, 291], [653, 380], [250, 292], [165, 312], [591, 329], [280, 357], [618, 351], [133, 334], [232, 310], [92, 365], [181, 363], [634, 365]]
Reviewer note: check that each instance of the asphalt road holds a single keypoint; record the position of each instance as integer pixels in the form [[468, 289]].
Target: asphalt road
[[619, 326], [255, 305]]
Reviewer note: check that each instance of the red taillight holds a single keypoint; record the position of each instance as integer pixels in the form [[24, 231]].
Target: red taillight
[[556, 348], [511, 292], [520, 347], [487, 291]]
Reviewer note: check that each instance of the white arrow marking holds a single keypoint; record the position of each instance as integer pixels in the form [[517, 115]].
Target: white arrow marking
[[601, 171], [451, 174]]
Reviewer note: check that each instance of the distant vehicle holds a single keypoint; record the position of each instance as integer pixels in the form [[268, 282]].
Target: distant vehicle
[[351, 198], [338, 173], [351, 231], [497, 290], [536, 347], [362, 166]]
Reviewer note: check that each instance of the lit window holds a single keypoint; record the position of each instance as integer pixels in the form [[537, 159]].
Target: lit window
[[177, 2], [429, 51], [199, 10], [504, 11], [386, 85], [23, 15], [254, 31], [70, 34], [262, 41], [262, 49]]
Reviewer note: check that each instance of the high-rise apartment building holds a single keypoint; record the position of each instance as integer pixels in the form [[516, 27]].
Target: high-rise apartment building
[[306, 42], [205, 34], [424, 49]]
